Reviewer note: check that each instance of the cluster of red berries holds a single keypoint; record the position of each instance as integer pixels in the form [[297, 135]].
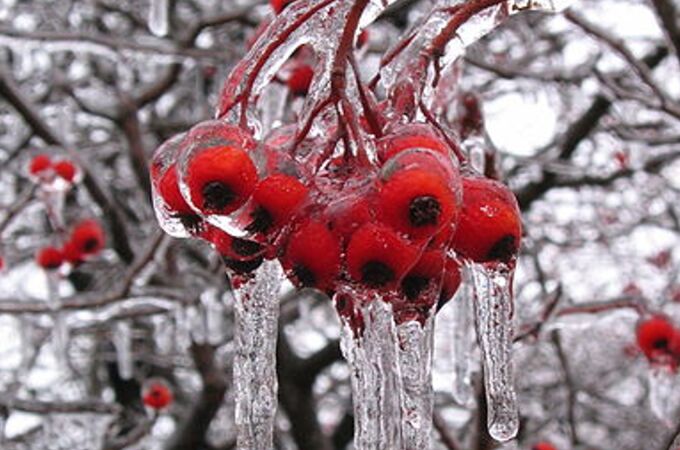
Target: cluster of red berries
[[397, 224], [44, 170], [659, 341], [86, 240], [543, 446], [157, 395]]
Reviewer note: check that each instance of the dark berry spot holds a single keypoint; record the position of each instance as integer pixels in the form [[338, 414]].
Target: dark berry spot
[[424, 210], [262, 221], [243, 266], [504, 249], [305, 276], [244, 247], [413, 286], [341, 303], [660, 344], [376, 274], [191, 222], [90, 245], [217, 195]]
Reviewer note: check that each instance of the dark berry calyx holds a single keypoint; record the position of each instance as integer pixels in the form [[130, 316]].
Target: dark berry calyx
[[413, 286], [304, 275], [376, 274], [504, 249], [90, 245], [243, 267], [262, 221], [424, 210], [191, 222], [660, 344], [244, 247], [217, 195]]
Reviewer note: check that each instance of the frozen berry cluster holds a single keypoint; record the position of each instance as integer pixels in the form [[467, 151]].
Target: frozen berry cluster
[[86, 238], [397, 221]]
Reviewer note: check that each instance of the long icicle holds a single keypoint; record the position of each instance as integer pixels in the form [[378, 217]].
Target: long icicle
[[462, 345], [257, 313], [493, 319], [376, 387], [415, 364]]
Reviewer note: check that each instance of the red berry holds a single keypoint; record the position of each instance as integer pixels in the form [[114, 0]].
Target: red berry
[[312, 257], [240, 255], [66, 170], [429, 268], [378, 257], [49, 258], [450, 282], [2, 263], [168, 190], [88, 237], [220, 179], [39, 164], [658, 340], [300, 79], [72, 254], [275, 200], [279, 5], [408, 137], [490, 226], [417, 201], [543, 446], [157, 396]]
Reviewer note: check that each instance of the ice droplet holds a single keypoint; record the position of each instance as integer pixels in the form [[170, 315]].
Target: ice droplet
[[122, 341], [415, 366], [376, 383], [158, 17], [493, 319], [257, 314]]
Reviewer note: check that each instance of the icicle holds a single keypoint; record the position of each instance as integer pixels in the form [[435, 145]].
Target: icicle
[[376, 384], [415, 364], [163, 334], [122, 341], [182, 329], [661, 387], [60, 333], [158, 17], [257, 313], [213, 310], [462, 345], [493, 319]]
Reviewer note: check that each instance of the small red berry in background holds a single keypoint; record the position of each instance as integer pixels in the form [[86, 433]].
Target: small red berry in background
[[490, 225], [279, 5], [379, 257], [87, 238], [300, 79], [543, 446], [2, 263], [66, 170], [659, 340], [49, 258], [220, 179], [39, 164], [313, 256], [157, 395], [72, 254]]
